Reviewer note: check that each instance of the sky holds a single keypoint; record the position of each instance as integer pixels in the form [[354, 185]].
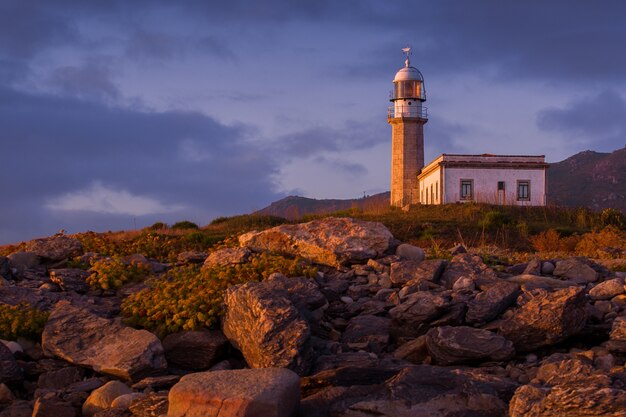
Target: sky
[[117, 114]]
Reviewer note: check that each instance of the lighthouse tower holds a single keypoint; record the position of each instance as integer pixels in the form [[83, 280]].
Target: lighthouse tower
[[407, 117]]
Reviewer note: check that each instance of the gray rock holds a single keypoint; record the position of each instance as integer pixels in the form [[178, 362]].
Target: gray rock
[[60, 378], [124, 401], [414, 351], [607, 289], [456, 345], [21, 261], [575, 270], [191, 257], [266, 327], [466, 266], [407, 251], [6, 396], [547, 268], [488, 304], [617, 342], [372, 331], [82, 338], [410, 317], [9, 369], [70, 279], [48, 407], [5, 268], [266, 392], [403, 272], [227, 256], [101, 398], [533, 267], [195, 350], [55, 248], [151, 405], [330, 241], [546, 319]]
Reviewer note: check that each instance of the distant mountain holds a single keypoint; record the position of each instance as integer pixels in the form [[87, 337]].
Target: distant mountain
[[589, 179], [294, 207]]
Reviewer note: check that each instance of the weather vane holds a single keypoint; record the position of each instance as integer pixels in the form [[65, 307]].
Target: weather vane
[[407, 52]]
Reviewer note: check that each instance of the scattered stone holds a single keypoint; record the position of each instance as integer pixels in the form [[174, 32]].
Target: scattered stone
[[533, 267], [466, 265], [101, 398], [617, 342], [488, 304], [330, 241], [607, 289], [6, 396], [70, 279], [575, 270], [82, 338], [195, 350], [61, 378], [266, 327], [456, 345], [227, 256], [55, 248], [409, 317], [14, 347], [268, 392], [151, 405], [20, 261], [546, 319], [403, 272], [9, 369], [407, 251], [414, 351], [124, 401], [369, 330], [547, 268], [48, 407], [532, 282], [191, 257], [155, 383]]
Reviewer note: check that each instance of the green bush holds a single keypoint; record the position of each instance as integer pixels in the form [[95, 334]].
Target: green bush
[[495, 220], [189, 297], [158, 226], [113, 273], [184, 225], [21, 321]]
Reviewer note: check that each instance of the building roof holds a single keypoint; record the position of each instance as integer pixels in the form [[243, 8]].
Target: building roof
[[485, 161]]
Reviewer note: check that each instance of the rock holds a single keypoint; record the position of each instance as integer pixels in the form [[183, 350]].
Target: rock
[[266, 392], [155, 383], [14, 347], [124, 401], [409, 317], [6, 396], [60, 378], [55, 248], [607, 289], [372, 331], [195, 350], [82, 338], [464, 284], [330, 241], [101, 398], [227, 256], [266, 327], [48, 407], [303, 292], [9, 369], [114, 412], [548, 318], [531, 282], [151, 405], [575, 270], [191, 257], [547, 268], [414, 351], [457, 250], [407, 251], [466, 265], [488, 304], [70, 279], [403, 272], [617, 342], [21, 261], [5, 268], [533, 267], [455, 345]]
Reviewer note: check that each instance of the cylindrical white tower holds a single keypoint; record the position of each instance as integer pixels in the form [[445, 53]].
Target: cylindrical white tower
[[407, 117]]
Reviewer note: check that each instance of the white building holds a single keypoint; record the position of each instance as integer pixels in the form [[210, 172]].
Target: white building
[[494, 179]]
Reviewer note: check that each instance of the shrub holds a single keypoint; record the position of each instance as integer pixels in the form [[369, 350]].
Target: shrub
[[495, 220], [184, 225], [158, 226], [612, 217], [21, 321], [547, 241], [189, 298], [113, 273], [592, 243]]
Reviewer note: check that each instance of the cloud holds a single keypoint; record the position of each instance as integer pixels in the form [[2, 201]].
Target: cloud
[[217, 47], [92, 80], [99, 198], [597, 121], [344, 167]]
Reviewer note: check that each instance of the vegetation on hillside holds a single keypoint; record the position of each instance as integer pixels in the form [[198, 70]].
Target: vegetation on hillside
[[21, 320]]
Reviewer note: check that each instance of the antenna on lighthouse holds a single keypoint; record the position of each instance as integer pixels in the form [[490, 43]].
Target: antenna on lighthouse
[[407, 52]]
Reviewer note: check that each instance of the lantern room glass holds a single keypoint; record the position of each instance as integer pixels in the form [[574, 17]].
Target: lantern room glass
[[408, 89]]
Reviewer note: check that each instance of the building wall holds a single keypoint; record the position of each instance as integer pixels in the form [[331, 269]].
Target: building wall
[[407, 158], [485, 184], [431, 188]]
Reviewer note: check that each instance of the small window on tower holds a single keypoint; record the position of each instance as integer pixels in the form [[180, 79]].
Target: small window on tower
[[523, 190], [467, 189]]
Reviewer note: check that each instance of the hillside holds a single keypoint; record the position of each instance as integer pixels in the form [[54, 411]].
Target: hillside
[[591, 179]]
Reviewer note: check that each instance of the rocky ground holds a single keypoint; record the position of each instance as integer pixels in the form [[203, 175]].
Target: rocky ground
[[379, 332]]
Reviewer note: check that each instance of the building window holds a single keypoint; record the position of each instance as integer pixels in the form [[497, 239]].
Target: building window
[[467, 189], [523, 190], [500, 185]]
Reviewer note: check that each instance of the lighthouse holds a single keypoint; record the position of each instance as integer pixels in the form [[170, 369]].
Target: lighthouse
[[407, 117]]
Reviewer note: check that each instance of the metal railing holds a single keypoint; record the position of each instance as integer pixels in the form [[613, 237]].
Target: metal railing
[[394, 112]]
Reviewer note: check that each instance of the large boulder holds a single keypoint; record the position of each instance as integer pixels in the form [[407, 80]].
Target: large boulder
[[488, 304], [9, 369], [449, 345], [266, 327], [574, 269], [82, 338], [466, 266], [55, 248], [195, 350], [70, 279], [331, 241], [266, 392], [546, 319]]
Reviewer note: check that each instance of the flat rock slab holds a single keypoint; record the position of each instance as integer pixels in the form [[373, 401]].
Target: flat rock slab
[[405, 271], [269, 392], [55, 248], [80, 337], [575, 270], [488, 304], [331, 241], [195, 350], [455, 345], [227, 256]]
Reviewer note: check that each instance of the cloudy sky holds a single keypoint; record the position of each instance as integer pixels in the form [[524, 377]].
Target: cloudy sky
[[116, 114]]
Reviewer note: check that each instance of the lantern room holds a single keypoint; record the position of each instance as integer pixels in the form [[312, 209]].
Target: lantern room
[[408, 93]]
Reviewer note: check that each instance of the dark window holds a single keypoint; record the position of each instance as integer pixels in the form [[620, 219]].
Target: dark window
[[501, 185], [523, 190], [467, 189]]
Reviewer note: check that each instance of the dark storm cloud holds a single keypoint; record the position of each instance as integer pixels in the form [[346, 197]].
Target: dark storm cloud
[[599, 120], [92, 80], [52, 146]]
